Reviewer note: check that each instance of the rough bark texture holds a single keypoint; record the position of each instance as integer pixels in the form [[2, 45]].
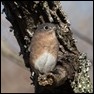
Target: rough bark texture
[[25, 16]]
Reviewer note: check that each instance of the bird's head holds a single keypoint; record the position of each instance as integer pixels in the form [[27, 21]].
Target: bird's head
[[46, 27]]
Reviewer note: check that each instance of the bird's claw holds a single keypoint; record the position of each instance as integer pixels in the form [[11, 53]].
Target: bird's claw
[[46, 79]]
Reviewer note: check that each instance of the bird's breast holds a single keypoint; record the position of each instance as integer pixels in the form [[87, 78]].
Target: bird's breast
[[45, 62], [44, 51]]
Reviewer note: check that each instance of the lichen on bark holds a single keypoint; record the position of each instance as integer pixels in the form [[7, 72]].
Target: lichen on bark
[[25, 17]]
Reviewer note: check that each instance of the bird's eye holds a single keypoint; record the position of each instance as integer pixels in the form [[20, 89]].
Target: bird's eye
[[46, 27]]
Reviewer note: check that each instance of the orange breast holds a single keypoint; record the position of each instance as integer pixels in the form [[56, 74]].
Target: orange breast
[[43, 42]]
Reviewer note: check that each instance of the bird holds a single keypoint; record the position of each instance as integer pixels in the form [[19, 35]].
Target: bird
[[44, 49]]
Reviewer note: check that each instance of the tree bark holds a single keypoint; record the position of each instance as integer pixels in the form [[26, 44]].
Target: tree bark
[[25, 16]]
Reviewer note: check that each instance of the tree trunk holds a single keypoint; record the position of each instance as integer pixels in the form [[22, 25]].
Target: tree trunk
[[25, 17]]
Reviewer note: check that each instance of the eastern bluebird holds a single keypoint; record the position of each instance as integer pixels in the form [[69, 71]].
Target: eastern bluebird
[[44, 48]]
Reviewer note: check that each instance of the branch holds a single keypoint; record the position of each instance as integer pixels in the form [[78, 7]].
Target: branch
[[25, 17]]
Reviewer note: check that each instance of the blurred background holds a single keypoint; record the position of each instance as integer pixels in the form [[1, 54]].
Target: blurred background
[[15, 78]]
